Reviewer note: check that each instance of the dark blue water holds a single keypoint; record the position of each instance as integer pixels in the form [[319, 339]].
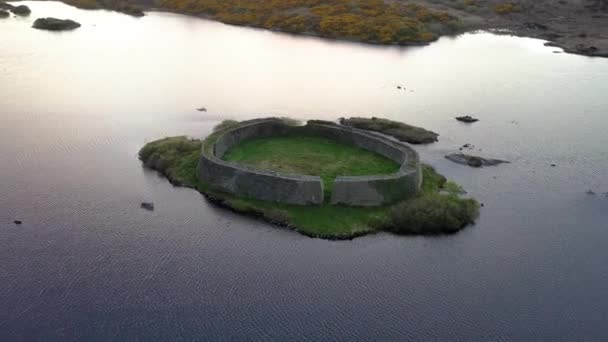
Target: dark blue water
[[88, 264]]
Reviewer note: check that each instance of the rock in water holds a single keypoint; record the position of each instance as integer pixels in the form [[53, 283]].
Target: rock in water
[[467, 119], [202, 109], [148, 206], [17, 222], [54, 24], [4, 5], [473, 161], [4, 14], [21, 10]]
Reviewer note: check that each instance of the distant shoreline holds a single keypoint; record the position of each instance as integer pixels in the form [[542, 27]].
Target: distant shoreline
[[557, 34], [577, 29]]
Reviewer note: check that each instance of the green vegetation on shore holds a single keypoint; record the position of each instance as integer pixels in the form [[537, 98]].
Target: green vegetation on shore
[[176, 158], [127, 7], [370, 21], [310, 155], [438, 208]]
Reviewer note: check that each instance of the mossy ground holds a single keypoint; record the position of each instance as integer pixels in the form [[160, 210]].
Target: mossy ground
[[398, 130], [310, 155], [438, 208]]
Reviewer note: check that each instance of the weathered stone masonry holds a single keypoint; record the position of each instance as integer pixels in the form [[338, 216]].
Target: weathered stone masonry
[[305, 190]]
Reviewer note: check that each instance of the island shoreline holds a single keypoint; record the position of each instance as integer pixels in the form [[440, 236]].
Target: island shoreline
[[436, 208]]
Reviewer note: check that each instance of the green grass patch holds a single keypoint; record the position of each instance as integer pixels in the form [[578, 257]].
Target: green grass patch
[[437, 209], [310, 155], [176, 158]]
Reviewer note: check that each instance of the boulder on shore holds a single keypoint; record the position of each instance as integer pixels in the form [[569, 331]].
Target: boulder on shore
[[473, 161], [21, 10], [54, 24]]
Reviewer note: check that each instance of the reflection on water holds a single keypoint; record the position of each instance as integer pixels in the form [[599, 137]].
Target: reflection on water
[[88, 263]]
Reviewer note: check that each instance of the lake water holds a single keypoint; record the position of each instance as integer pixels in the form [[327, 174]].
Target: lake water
[[89, 264]]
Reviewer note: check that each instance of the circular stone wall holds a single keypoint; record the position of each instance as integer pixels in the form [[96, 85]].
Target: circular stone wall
[[297, 189]]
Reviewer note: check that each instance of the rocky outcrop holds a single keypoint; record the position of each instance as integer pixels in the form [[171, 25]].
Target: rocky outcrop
[[54, 24], [21, 10], [473, 161], [466, 119], [397, 130]]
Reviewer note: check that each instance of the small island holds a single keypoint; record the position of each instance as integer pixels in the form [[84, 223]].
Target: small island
[[322, 179]]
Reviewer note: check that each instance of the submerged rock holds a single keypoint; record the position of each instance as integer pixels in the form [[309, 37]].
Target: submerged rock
[[473, 161], [54, 24], [21, 10], [467, 119], [148, 206]]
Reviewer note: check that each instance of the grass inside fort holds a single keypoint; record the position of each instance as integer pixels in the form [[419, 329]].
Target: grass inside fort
[[310, 155]]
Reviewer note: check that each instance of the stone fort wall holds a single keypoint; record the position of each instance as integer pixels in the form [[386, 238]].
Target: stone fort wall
[[308, 190]]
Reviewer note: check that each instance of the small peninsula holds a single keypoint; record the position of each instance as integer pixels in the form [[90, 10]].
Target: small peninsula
[[319, 179]]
